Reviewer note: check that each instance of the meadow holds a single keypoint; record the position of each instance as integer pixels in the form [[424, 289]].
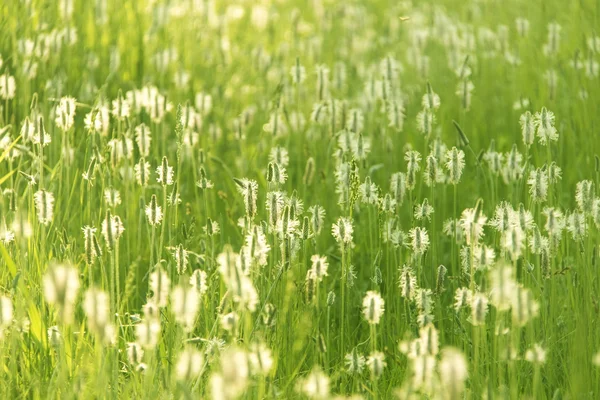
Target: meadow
[[296, 199]]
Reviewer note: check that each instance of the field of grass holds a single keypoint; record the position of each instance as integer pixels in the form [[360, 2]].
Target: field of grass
[[261, 199]]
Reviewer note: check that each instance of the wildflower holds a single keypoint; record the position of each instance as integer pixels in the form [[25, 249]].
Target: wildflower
[[143, 139], [65, 113], [94, 122], [462, 298], [423, 211], [538, 185], [44, 204], [479, 308], [455, 163], [373, 307], [464, 91], [142, 172], [164, 173], [544, 124], [407, 282], [135, 353], [276, 174], [315, 385], [355, 362], [430, 100], [453, 373], [8, 87], [376, 363], [577, 225], [502, 286], [154, 212], [395, 114], [232, 380], [91, 246], [61, 284], [398, 187], [147, 331], [368, 192], [261, 359], [120, 107], [433, 173], [248, 189], [472, 222], [319, 267], [198, 282], [342, 231], [419, 240], [425, 121], [6, 314], [527, 128], [555, 221], [185, 304], [112, 197], [361, 147], [513, 241], [97, 310], [584, 196], [536, 355], [159, 285], [524, 307], [298, 73]]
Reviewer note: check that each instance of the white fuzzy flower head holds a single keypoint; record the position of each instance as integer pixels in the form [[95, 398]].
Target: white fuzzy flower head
[[261, 359], [315, 385], [544, 124], [120, 107], [455, 163], [61, 284], [376, 363], [6, 313], [44, 205], [454, 372], [342, 231], [93, 121], [479, 309], [96, 305], [373, 307], [8, 87], [189, 364], [112, 197], [419, 240], [298, 73], [142, 172], [527, 128], [369, 192], [65, 113], [147, 331], [154, 212], [319, 267], [198, 282], [135, 353], [472, 222], [112, 229], [536, 354], [159, 284], [185, 304], [143, 139], [164, 173], [538, 185], [355, 362]]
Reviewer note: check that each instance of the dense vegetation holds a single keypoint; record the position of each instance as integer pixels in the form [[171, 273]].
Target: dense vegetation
[[299, 199]]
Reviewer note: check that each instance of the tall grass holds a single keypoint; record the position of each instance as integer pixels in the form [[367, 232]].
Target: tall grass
[[295, 199]]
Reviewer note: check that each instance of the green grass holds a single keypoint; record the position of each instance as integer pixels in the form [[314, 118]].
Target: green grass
[[265, 326]]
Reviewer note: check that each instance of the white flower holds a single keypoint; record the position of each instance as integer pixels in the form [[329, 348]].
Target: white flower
[[8, 86], [373, 307], [342, 230]]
